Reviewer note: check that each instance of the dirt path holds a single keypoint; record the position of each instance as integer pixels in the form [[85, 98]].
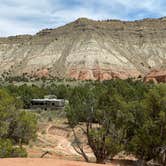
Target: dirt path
[[57, 139], [43, 162]]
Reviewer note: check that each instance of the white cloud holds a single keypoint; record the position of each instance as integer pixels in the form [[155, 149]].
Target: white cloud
[[30, 16]]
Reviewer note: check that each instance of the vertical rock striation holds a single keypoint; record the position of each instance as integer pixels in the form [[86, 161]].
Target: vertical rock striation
[[88, 50]]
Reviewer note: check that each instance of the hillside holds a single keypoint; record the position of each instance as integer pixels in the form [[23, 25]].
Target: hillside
[[87, 49]]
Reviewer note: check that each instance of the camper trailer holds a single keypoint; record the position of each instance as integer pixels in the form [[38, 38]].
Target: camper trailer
[[48, 103]]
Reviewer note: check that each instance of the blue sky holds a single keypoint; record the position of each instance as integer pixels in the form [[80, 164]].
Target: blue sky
[[30, 16]]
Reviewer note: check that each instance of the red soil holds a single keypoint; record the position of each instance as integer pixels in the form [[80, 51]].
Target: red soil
[[43, 162]]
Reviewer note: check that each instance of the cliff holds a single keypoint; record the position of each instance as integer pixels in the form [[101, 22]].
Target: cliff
[[87, 49]]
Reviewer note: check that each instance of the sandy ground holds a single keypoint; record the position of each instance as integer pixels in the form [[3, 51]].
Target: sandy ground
[[57, 140], [43, 162]]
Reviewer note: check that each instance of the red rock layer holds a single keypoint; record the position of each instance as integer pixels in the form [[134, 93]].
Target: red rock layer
[[101, 74], [156, 76], [42, 73]]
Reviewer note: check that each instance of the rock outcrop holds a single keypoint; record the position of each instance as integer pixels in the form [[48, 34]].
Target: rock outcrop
[[156, 76], [87, 49]]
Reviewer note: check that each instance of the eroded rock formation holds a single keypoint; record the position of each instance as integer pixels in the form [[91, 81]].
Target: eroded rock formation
[[156, 76], [87, 49]]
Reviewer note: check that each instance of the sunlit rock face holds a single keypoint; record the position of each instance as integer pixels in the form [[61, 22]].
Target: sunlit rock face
[[156, 76], [88, 50]]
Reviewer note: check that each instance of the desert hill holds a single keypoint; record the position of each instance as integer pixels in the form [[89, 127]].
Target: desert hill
[[87, 49]]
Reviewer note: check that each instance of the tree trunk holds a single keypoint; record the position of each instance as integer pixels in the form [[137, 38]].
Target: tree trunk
[[80, 151], [45, 153], [100, 161]]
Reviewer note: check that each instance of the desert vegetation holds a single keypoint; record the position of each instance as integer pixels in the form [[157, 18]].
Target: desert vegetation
[[16, 127], [115, 116], [121, 115]]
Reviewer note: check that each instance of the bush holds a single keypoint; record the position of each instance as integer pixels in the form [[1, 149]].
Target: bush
[[150, 134], [16, 127], [23, 128], [19, 152], [8, 150], [129, 115]]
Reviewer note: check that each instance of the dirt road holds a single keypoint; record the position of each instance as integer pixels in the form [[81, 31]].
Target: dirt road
[[43, 162]]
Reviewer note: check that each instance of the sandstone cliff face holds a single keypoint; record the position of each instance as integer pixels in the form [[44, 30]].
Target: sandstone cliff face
[[87, 49]]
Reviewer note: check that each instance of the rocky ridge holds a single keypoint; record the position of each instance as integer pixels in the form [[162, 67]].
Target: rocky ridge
[[87, 49]]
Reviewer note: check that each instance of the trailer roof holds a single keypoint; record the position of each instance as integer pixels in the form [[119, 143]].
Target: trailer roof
[[42, 100]]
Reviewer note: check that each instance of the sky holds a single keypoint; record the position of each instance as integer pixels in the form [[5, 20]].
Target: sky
[[30, 16]]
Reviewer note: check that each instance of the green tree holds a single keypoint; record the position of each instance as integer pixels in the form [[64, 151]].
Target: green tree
[[8, 150], [23, 128], [7, 112], [101, 131], [150, 134], [16, 127]]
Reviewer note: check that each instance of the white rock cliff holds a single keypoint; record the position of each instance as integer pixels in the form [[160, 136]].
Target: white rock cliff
[[87, 49]]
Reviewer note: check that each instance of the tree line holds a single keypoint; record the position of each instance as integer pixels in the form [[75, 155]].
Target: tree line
[[120, 116], [116, 115]]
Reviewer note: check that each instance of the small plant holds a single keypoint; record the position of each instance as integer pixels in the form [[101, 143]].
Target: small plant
[[43, 132]]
